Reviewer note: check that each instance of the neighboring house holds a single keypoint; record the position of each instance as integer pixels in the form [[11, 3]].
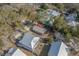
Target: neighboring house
[[71, 19], [73, 23], [28, 41], [58, 49], [15, 52], [53, 12], [74, 44], [39, 30]]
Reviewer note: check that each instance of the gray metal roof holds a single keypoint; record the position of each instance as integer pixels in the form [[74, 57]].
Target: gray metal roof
[[26, 40], [54, 49], [58, 49]]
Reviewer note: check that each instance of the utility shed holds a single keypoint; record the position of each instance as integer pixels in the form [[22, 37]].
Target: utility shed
[[15, 52], [28, 41], [39, 30], [58, 49]]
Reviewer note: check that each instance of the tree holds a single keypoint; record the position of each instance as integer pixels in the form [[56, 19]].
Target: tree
[[43, 6], [61, 26], [77, 18], [48, 40], [59, 6], [60, 23], [68, 36]]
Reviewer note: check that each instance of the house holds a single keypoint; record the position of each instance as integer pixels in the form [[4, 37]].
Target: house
[[53, 12], [58, 49], [73, 23], [28, 41], [71, 19], [15, 52], [39, 30]]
